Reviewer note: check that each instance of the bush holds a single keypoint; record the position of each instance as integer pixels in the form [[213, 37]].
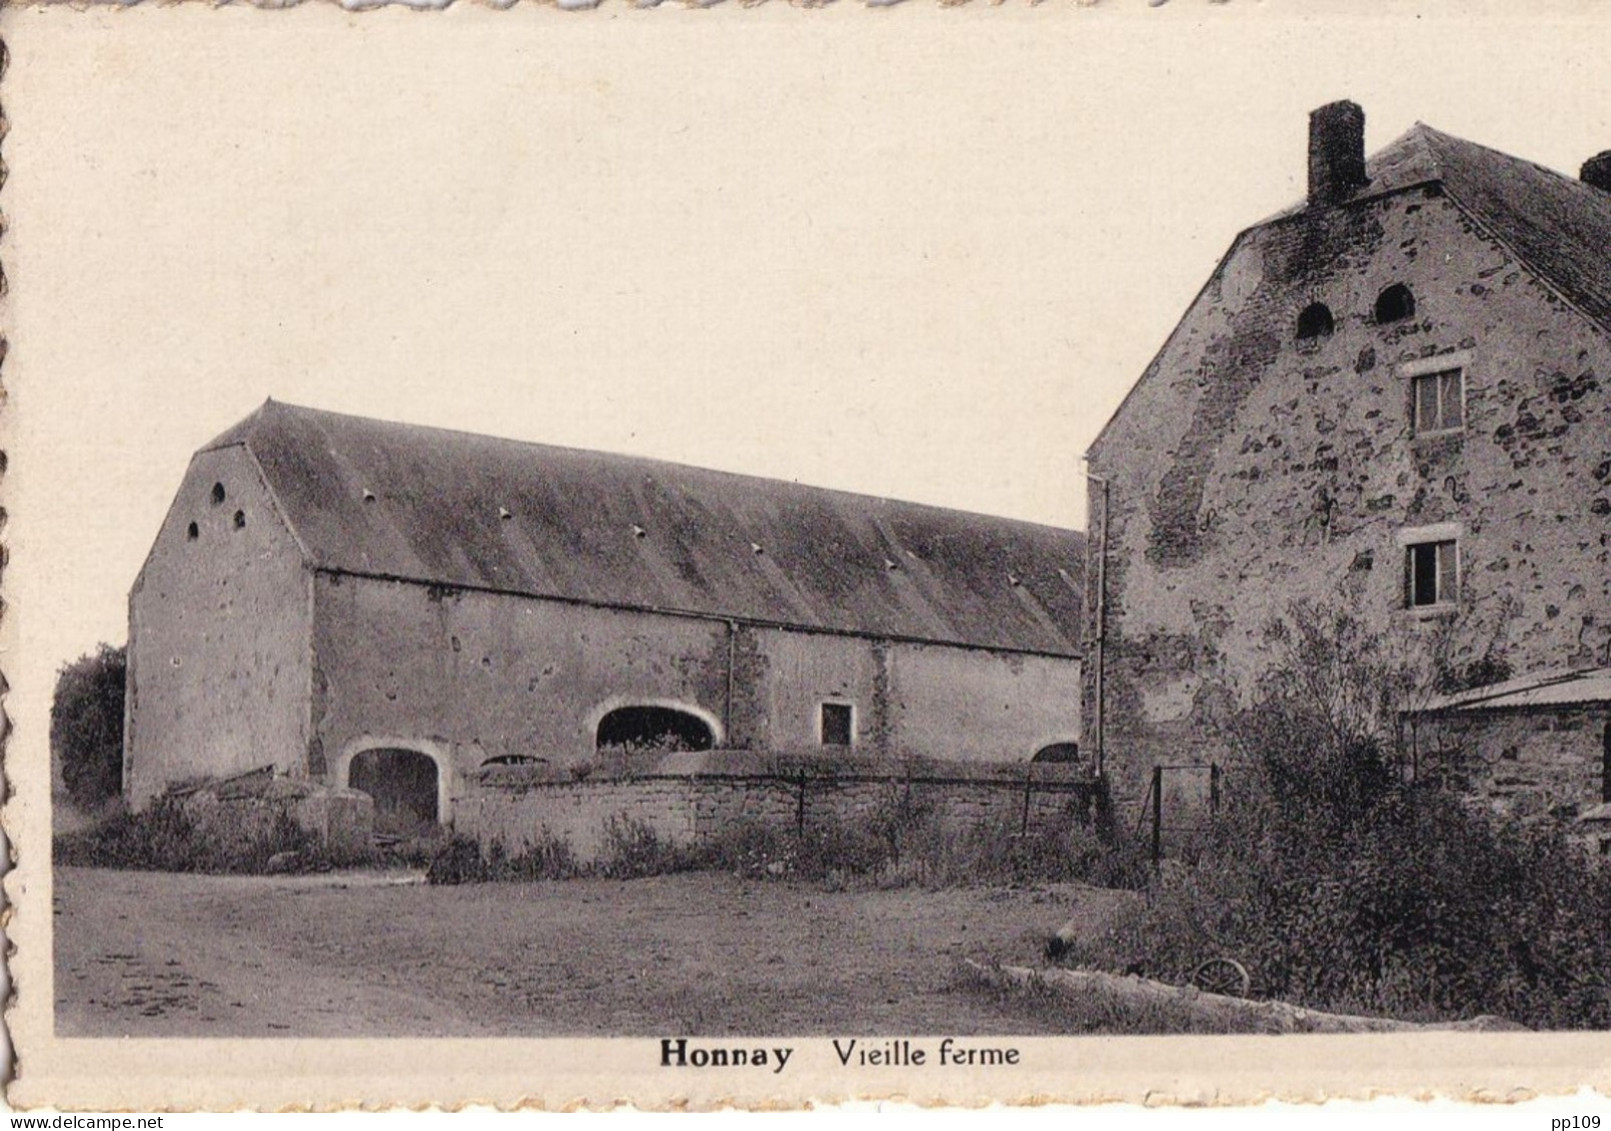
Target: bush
[[753, 850], [1342, 886], [632, 849], [459, 860], [86, 726], [547, 858], [166, 838], [902, 842]]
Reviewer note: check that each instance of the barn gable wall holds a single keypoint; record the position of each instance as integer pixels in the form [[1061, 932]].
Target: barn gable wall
[[1250, 469], [219, 665]]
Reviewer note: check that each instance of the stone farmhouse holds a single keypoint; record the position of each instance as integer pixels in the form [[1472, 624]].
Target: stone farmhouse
[[507, 636], [1393, 398]]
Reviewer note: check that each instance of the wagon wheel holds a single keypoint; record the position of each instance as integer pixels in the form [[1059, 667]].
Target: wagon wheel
[[1222, 976]]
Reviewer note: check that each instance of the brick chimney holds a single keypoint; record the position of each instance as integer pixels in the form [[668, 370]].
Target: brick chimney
[[1336, 152], [1597, 171]]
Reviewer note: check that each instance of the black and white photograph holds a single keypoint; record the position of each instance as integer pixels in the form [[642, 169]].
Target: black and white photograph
[[784, 552]]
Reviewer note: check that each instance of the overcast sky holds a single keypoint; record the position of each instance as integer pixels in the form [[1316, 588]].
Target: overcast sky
[[915, 252]]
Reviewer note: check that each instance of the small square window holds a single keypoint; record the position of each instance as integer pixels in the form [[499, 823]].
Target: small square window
[[1439, 401], [836, 724], [1431, 574]]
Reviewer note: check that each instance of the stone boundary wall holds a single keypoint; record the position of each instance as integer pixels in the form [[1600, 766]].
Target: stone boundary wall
[[688, 797], [1533, 763]]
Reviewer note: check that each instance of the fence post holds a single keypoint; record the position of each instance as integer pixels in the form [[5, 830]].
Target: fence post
[[1213, 789], [1157, 815], [1029, 784], [799, 806]]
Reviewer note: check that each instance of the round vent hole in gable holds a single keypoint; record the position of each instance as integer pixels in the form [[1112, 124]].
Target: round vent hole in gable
[[1394, 304], [1315, 322]]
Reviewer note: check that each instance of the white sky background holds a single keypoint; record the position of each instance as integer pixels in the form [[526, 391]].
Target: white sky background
[[913, 252]]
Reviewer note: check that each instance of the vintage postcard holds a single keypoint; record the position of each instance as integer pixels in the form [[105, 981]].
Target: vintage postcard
[[766, 555]]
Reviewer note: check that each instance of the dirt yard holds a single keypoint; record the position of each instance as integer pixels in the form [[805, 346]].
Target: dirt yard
[[382, 954]]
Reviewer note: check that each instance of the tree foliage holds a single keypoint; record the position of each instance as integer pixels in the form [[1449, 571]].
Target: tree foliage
[[86, 726]]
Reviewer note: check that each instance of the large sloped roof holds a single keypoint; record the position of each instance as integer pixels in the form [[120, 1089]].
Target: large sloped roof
[[455, 509], [1557, 225]]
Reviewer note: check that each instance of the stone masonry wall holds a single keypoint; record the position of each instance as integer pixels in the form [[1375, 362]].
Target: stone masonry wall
[[689, 797], [475, 677], [1250, 469], [1524, 763]]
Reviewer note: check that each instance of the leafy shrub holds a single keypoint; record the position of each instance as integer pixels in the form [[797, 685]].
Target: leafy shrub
[[633, 849], [751, 849], [1342, 886], [460, 860], [668, 742], [166, 837], [902, 842], [547, 858], [86, 726]]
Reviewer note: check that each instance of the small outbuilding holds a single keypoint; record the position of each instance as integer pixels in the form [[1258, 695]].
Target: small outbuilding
[[1538, 746]]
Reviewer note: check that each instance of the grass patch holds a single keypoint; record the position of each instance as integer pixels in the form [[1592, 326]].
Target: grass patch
[[1095, 1010]]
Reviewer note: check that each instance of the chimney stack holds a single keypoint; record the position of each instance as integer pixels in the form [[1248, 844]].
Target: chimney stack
[[1336, 152], [1597, 171]]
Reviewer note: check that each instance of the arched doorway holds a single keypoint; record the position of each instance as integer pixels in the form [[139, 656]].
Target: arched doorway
[[660, 729], [404, 784]]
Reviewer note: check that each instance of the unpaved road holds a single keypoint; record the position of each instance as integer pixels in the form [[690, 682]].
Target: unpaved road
[[380, 954]]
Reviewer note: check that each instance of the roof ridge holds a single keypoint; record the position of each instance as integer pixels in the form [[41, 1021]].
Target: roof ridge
[[239, 432], [1510, 158], [244, 431]]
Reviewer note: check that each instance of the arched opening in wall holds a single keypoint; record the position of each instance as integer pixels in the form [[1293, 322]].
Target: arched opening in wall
[[404, 785], [1061, 752], [513, 760], [1394, 304], [1315, 322], [659, 729]]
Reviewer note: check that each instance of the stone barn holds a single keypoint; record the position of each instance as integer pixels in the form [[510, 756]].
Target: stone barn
[[501, 635], [1393, 398]]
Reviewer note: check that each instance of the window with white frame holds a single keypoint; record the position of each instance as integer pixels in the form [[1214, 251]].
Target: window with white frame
[[1436, 390], [1439, 400], [1431, 573]]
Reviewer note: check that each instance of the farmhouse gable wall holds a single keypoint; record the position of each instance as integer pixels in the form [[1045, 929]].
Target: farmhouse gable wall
[[1271, 454]]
